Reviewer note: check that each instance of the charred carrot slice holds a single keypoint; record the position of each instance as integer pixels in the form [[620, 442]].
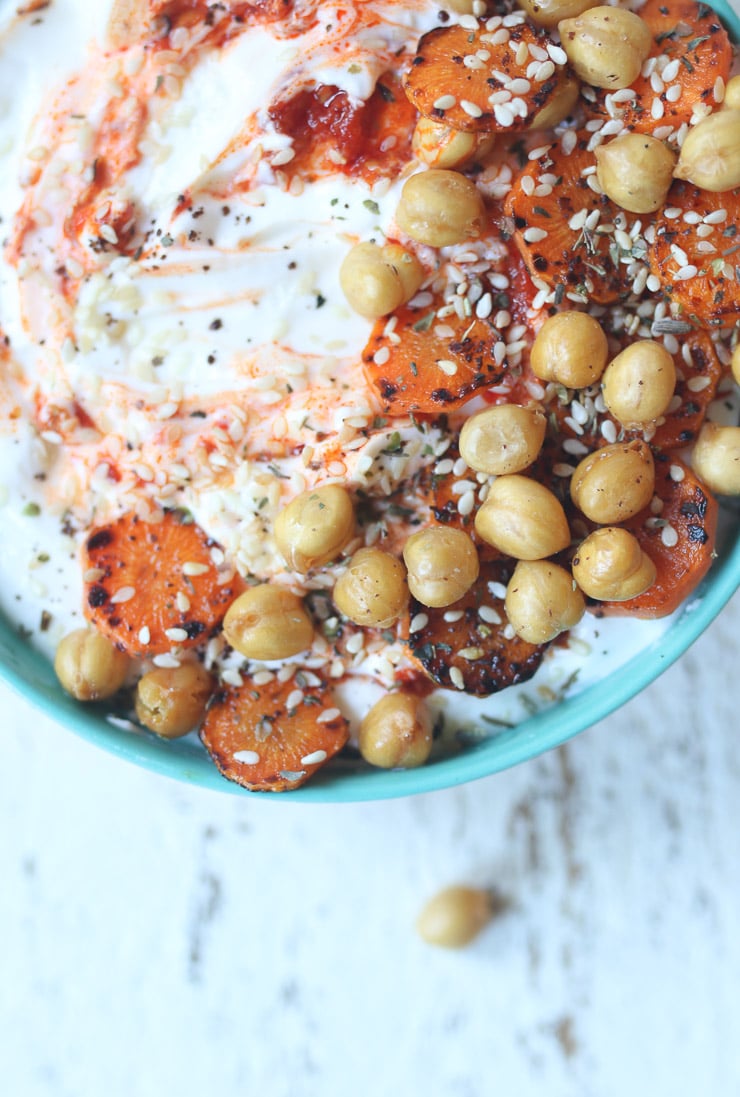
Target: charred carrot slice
[[696, 253], [151, 587], [489, 78], [466, 646], [420, 363], [556, 218], [691, 54], [273, 737], [680, 540]]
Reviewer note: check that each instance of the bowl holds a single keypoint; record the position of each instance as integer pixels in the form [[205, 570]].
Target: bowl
[[30, 674]]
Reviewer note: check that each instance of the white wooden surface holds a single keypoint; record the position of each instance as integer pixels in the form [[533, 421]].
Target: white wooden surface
[[161, 940]]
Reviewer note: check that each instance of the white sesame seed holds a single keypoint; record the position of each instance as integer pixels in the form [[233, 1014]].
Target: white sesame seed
[[123, 594], [471, 653], [521, 55], [519, 86], [719, 90], [168, 661], [539, 152], [419, 622], [471, 109], [314, 758], [294, 698], [544, 72], [563, 470], [669, 536], [190, 567], [685, 273], [469, 22], [456, 678], [447, 366], [460, 467], [176, 635], [716, 217], [557, 54], [653, 283], [263, 677], [466, 504], [623, 95], [246, 757], [445, 102], [674, 93], [504, 116], [489, 615], [144, 635], [609, 431], [355, 643], [381, 356], [698, 384], [533, 235], [670, 72], [453, 615], [484, 306], [578, 220], [677, 474]]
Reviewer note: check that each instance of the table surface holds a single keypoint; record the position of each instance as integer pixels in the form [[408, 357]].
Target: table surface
[[162, 939]]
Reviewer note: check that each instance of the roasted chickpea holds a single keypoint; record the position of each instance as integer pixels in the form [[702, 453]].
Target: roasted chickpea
[[731, 100], [735, 364], [611, 566], [373, 591], [614, 483], [441, 146], [268, 622], [397, 731], [171, 701], [548, 13], [442, 565], [638, 385], [440, 208], [606, 46], [455, 916], [559, 108], [314, 527], [377, 280], [636, 171], [571, 349], [89, 666], [523, 519], [716, 458], [502, 439], [542, 601], [710, 154]]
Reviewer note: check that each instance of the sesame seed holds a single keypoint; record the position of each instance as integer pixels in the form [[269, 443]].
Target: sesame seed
[[489, 615], [168, 661], [674, 93], [190, 567], [93, 574], [533, 235], [176, 635], [246, 757], [471, 654], [456, 678], [469, 22], [381, 356], [123, 594], [314, 758], [144, 635], [698, 384], [719, 90], [609, 431], [557, 54], [419, 622], [521, 55], [716, 217], [447, 366], [284, 156], [263, 677], [471, 109], [669, 535], [504, 116], [355, 643], [544, 72], [686, 272], [466, 504], [445, 102], [460, 467], [519, 86], [294, 698]]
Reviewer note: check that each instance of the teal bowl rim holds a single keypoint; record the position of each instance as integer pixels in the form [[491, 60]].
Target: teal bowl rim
[[30, 674]]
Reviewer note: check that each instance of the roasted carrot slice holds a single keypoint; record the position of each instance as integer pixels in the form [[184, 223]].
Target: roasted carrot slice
[[679, 540], [420, 363], [275, 736], [691, 52], [487, 79], [696, 253], [466, 646], [151, 587], [554, 217]]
